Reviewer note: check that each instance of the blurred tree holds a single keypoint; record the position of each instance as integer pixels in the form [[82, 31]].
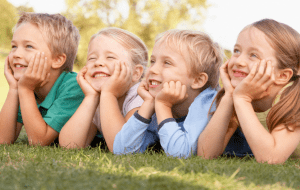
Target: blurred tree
[[25, 8], [145, 18], [8, 18]]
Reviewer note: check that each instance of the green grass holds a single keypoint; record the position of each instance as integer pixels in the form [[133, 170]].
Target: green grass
[[28, 167]]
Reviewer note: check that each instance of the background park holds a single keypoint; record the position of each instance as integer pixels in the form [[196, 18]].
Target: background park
[[25, 167]]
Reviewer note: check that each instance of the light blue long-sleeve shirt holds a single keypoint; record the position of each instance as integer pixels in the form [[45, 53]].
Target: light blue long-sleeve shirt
[[178, 137]]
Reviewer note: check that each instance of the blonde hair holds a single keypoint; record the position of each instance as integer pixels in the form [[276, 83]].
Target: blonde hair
[[62, 36], [135, 46], [203, 54]]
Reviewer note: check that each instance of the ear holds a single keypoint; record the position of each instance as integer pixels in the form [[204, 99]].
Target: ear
[[137, 73], [199, 81], [283, 76], [59, 61]]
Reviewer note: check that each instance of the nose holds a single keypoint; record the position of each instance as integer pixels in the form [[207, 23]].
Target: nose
[[17, 53], [155, 68], [241, 61], [100, 63]]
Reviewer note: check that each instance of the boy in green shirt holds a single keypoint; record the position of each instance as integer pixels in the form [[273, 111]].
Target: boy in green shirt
[[38, 71]]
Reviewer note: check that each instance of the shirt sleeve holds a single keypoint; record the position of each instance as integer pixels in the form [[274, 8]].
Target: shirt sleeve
[[64, 106], [182, 141], [134, 136]]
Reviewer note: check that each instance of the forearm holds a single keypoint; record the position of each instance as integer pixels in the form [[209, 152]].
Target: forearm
[[8, 117], [111, 118], [211, 141], [147, 109], [261, 142], [35, 126], [133, 137], [162, 112], [75, 132]]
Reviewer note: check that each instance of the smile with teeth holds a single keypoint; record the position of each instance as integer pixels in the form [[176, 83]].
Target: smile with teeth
[[19, 66], [239, 74], [154, 83], [100, 75]]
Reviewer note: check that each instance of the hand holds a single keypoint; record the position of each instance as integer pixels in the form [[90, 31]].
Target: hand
[[85, 86], [12, 82], [257, 84], [119, 83], [143, 91], [37, 73], [171, 94], [226, 79]]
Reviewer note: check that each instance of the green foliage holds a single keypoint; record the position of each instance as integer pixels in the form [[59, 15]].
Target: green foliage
[[8, 18], [146, 19]]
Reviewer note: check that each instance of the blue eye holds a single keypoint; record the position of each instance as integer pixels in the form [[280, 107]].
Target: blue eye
[[152, 62], [253, 55], [13, 46], [29, 46], [236, 51]]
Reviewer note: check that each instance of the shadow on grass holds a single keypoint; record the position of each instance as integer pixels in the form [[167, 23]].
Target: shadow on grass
[[44, 176]]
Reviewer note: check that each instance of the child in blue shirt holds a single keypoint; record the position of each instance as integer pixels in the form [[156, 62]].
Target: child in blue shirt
[[179, 88]]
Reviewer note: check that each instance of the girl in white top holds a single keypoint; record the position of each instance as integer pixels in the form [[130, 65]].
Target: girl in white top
[[115, 64], [264, 66]]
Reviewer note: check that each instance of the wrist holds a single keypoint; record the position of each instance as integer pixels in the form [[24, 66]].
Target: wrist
[[95, 98], [162, 104], [22, 89]]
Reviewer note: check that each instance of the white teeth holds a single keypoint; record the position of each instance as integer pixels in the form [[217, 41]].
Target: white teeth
[[17, 66], [154, 83], [101, 75]]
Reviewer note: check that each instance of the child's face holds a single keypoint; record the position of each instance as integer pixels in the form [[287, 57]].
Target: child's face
[[103, 53], [167, 65], [27, 41], [251, 47]]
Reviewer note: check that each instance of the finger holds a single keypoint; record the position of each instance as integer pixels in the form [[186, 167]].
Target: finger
[[44, 69], [178, 88], [36, 63], [271, 80], [123, 70], [251, 75], [261, 70], [41, 65], [183, 93], [268, 72], [47, 79], [30, 65], [117, 69]]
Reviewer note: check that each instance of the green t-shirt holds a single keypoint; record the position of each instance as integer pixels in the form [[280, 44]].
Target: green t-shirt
[[61, 102]]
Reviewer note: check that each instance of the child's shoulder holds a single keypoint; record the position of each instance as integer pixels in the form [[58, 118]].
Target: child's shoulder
[[67, 83]]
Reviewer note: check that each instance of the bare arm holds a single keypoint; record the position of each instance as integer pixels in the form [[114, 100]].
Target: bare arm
[[215, 137], [79, 131], [9, 127]]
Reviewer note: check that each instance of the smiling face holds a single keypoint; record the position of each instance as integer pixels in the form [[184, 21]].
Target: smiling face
[[103, 53], [251, 47], [27, 41], [167, 65]]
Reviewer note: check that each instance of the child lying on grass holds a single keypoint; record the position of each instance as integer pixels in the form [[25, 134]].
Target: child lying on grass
[[115, 64], [38, 71], [179, 88]]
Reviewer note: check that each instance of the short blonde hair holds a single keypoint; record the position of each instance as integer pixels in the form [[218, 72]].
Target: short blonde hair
[[136, 47], [203, 54], [62, 35]]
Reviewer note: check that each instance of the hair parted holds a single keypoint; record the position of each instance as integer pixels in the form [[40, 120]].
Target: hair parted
[[60, 33], [136, 47], [203, 54]]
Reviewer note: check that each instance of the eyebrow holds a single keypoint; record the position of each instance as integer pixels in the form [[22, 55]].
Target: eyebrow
[[26, 41]]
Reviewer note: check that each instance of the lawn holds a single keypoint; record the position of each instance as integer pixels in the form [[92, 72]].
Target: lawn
[[26, 167]]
